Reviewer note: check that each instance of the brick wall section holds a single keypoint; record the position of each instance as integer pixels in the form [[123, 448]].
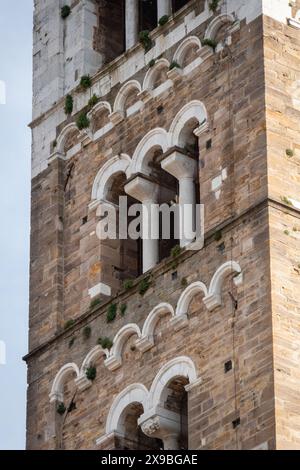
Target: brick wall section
[[282, 64]]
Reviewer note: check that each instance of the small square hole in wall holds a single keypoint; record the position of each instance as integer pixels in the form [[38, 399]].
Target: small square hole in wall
[[236, 423], [227, 366], [221, 248], [84, 220], [72, 407], [208, 144], [174, 276], [160, 109]]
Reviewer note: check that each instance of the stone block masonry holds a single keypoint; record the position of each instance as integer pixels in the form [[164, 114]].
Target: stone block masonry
[[217, 327]]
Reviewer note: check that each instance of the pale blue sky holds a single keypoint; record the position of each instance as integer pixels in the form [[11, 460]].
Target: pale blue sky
[[15, 70]]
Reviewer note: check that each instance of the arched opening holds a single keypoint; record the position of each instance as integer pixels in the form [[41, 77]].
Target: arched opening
[[131, 436], [147, 15], [178, 4], [126, 253], [168, 196], [176, 401], [100, 119]]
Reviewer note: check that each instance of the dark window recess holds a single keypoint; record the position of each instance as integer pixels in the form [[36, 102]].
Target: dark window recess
[[147, 15], [160, 109], [174, 276], [72, 407], [228, 366], [110, 36], [178, 4], [236, 423], [221, 248], [209, 144], [84, 220]]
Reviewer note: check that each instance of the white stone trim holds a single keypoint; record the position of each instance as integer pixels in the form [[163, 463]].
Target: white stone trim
[[147, 338], [186, 298], [135, 393], [184, 47], [155, 138], [100, 289], [214, 26], [61, 140], [151, 74], [213, 298], [114, 360], [119, 104], [193, 109], [117, 164], [56, 393], [179, 367]]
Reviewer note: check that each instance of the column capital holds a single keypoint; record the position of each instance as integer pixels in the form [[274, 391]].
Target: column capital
[[180, 165], [142, 188], [162, 424]]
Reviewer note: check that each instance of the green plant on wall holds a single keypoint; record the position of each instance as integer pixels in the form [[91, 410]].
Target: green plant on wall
[[146, 40], [65, 12], [213, 5], [93, 101], [87, 331], [69, 324], [210, 43], [61, 409], [128, 284], [91, 373], [85, 82], [174, 65], [82, 121], [111, 313], [123, 309], [95, 302], [144, 285], [106, 343], [68, 104], [163, 20]]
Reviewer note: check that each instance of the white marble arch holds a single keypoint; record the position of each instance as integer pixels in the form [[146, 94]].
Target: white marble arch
[[156, 138], [182, 366], [126, 89], [152, 73], [114, 360], [147, 339], [217, 23], [193, 110], [92, 356], [213, 298], [61, 377], [92, 115], [135, 393], [117, 164], [61, 140], [184, 47]]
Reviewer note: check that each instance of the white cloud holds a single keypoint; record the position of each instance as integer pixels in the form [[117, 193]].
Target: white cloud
[[2, 92]]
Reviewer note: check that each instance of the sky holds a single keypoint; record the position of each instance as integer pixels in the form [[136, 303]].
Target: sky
[[15, 142]]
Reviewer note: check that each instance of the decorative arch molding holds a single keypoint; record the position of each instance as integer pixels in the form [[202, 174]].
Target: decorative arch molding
[[114, 360], [183, 48], [217, 23], [146, 341], [117, 164], [61, 377], [92, 115], [213, 299], [154, 139], [192, 110], [151, 74], [119, 104], [61, 140], [179, 367], [135, 393], [181, 319]]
